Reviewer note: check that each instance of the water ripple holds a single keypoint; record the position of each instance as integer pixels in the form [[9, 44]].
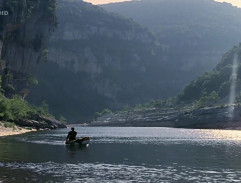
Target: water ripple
[[88, 173]]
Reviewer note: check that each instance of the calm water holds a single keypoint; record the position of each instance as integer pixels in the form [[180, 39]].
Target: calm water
[[123, 155]]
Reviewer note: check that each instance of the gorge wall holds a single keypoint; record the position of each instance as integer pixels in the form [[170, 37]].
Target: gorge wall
[[99, 59], [203, 118], [24, 34]]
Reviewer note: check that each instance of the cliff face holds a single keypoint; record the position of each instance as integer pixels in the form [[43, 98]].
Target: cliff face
[[88, 39], [99, 60], [24, 34], [210, 117]]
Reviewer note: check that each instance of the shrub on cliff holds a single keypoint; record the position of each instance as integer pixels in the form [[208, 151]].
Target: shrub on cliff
[[16, 109]]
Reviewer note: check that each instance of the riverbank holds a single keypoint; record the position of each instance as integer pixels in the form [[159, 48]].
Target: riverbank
[[217, 117], [13, 130], [23, 126]]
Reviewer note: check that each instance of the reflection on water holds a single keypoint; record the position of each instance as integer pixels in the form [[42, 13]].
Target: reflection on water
[[123, 155]]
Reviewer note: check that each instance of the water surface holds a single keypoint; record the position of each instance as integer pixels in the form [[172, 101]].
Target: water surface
[[118, 154]]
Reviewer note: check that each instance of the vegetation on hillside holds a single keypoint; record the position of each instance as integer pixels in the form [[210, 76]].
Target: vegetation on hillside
[[104, 60], [210, 89], [218, 80], [16, 109], [19, 36]]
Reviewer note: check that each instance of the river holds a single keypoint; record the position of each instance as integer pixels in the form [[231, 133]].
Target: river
[[122, 154]]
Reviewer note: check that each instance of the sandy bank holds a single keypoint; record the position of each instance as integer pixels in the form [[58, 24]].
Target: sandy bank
[[15, 130]]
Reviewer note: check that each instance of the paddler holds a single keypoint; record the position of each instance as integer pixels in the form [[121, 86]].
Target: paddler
[[71, 135]]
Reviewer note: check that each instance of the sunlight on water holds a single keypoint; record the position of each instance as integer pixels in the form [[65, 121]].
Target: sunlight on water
[[89, 173], [141, 136], [123, 155], [226, 135], [232, 94]]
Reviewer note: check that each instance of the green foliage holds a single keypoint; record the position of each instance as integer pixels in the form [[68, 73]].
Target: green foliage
[[62, 119], [43, 109], [33, 81], [216, 83], [44, 55], [17, 109], [1, 89], [207, 100], [105, 111], [28, 128], [9, 125], [5, 113]]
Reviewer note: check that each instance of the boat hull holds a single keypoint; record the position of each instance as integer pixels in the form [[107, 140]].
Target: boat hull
[[82, 142]]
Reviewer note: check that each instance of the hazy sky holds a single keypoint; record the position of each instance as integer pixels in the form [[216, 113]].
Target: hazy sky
[[234, 2]]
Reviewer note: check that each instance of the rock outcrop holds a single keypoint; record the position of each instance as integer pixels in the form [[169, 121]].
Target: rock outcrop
[[42, 122], [207, 118], [25, 29], [24, 33]]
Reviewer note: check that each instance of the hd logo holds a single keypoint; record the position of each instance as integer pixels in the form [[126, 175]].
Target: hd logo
[[3, 13]]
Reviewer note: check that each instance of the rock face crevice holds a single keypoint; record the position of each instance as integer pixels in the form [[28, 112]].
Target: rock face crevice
[[24, 34]]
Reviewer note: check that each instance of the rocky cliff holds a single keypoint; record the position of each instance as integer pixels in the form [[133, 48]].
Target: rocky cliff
[[41, 122], [87, 36], [25, 29], [210, 117], [97, 60], [24, 34], [113, 61]]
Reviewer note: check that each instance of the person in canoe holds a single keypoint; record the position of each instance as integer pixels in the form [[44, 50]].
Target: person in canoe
[[71, 135]]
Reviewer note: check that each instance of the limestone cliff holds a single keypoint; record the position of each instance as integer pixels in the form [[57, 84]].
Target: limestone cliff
[[24, 34], [97, 60], [206, 118], [87, 36]]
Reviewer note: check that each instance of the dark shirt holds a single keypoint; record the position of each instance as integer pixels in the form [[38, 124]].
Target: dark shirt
[[72, 135]]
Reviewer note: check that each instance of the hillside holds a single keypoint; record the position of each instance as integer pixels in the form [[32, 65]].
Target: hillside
[[195, 33], [204, 103], [219, 80], [97, 60]]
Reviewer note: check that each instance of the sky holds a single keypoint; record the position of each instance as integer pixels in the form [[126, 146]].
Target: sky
[[234, 2]]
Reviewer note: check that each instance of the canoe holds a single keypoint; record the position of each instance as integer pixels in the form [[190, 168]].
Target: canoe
[[82, 142]]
